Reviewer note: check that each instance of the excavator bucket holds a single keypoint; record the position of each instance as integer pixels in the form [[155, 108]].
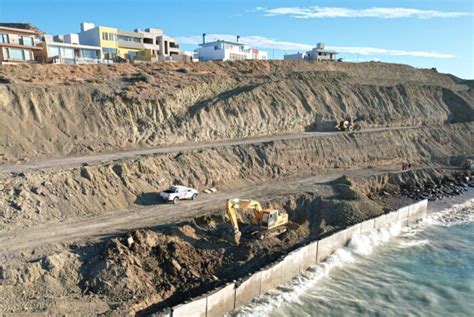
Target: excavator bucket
[[237, 237]]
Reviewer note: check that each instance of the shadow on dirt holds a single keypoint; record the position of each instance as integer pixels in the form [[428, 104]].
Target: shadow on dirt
[[148, 199]]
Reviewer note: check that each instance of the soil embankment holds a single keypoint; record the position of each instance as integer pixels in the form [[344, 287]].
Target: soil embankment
[[43, 196], [57, 110]]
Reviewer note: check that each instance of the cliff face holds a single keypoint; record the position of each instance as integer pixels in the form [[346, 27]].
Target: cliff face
[[57, 110], [50, 195]]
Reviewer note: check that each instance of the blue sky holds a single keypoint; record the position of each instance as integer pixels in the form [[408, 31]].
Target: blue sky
[[417, 32]]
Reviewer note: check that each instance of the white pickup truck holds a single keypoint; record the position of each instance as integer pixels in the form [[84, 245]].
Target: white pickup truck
[[177, 192]]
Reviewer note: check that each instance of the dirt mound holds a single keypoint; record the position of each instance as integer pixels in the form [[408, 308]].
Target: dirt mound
[[147, 262]]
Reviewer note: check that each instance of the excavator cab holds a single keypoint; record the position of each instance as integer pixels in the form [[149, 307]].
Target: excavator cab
[[273, 218]]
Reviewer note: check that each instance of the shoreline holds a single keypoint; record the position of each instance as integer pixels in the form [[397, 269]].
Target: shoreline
[[437, 206]]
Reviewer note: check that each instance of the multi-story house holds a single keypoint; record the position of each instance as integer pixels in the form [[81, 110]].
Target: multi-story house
[[318, 53], [150, 44], [66, 49], [221, 50], [18, 43], [158, 46]]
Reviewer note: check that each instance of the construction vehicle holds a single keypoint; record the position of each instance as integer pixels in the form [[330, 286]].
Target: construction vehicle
[[265, 222], [348, 124]]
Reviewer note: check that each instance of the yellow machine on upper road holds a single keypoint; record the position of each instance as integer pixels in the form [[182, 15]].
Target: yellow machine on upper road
[[348, 124], [268, 221]]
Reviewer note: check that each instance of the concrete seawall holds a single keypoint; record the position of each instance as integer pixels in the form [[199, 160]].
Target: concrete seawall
[[241, 292]]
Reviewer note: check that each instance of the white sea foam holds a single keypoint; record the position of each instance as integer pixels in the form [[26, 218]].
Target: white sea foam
[[414, 243], [452, 216]]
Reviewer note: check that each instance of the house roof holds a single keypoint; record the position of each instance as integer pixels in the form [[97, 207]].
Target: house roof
[[22, 26], [222, 41]]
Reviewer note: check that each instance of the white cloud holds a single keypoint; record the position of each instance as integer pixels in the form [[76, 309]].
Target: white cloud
[[382, 51], [254, 41], [267, 43], [316, 12]]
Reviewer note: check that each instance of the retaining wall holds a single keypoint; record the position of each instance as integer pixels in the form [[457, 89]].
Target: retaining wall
[[245, 290]]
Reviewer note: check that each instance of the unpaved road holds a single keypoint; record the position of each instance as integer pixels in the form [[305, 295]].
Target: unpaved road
[[94, 227], [107, 157]]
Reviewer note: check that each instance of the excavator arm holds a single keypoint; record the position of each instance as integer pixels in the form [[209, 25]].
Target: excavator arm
[[233, 204], [233, 220]]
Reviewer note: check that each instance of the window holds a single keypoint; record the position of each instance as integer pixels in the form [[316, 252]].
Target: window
[[16, 54], [88, 53], [67, 52], [109, 52], [109, 36], [129, 39], [132, 55], [4, 38], [26, 40], [236, 57], [53, 51], [27, 55]]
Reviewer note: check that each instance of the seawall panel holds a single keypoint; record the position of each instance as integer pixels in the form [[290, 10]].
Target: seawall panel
[[197, 307], [349, 232], [248, 289], [392, 217], [221, 301], [308, 256], [291, 265], [271, 277], [417, 211], [330, 244], [367, 226], [403, 215], [380, 222]]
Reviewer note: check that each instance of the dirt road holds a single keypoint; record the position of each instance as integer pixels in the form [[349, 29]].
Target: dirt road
[[114, 223], [107, 157]]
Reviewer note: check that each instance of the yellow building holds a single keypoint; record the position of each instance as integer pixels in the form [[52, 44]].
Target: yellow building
[[108, 41], [150, 44]]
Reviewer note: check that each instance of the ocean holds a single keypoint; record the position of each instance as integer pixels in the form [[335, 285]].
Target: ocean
[[426, 269]]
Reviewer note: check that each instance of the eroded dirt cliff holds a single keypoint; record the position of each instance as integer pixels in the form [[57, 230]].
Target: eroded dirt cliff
[[57, 110]]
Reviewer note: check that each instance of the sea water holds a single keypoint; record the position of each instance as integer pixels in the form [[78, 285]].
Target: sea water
[[426, 269]]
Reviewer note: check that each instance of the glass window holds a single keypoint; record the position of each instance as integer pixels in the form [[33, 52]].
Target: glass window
[[88, 53], [128, 39], [104, 36], [16, 54], [67, 52], [4, 38], [26, 40], [27, 55], [109, 52], [5, 53], [53, 51]]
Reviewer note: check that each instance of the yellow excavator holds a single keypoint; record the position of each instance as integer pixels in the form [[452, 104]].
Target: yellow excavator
[[267, 221]]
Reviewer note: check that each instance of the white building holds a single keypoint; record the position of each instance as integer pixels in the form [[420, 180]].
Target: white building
[[66, 49], [318, 53], [221, 50]]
